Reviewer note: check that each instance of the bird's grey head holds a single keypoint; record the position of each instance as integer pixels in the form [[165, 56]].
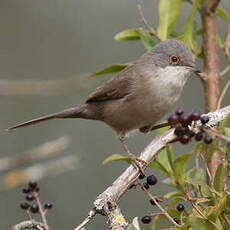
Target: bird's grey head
[[172, 53]]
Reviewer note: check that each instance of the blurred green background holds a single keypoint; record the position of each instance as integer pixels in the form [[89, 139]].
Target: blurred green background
[[47, 48]]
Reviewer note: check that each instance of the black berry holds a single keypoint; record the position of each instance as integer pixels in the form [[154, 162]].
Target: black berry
[[152, 202], [176, 220], [191, 133], [179, 112], [26, 190], [199, 136], [195, 116], [146, 219], [24, 206], [34, 208], [184, 139], [37, 189], [29, 197], [141, 176], [151, 180], [184, 120], [48, 205], [146, 185], [173, 119], [208, 140], [204, 119], [32, 184], [179, 131], [180, 207]]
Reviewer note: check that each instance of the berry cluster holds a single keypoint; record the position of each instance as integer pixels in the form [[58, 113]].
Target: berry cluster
[[150, 180], [182, 131], [179, 207], [32, 196]]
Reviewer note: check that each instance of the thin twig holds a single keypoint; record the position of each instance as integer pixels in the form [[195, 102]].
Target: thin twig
[[145, 23], [217, 134], [225, 89], [41, 211], [90, 216], [159, 206], [225, 71]]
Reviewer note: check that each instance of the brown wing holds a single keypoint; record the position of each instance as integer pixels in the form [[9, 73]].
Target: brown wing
[[115, 88]]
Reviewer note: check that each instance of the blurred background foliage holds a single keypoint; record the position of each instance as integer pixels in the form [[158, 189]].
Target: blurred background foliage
[[47, 51]]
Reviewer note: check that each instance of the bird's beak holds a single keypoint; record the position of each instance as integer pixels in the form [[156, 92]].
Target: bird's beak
[[195, 70]]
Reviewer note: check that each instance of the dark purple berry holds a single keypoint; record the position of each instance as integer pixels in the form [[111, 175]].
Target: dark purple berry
[[173, 119], [199, 136], [146, 219], [32, 184], [184, 139], [176, 220], [191, 133], [180, 207], [24, 206], [29, 197], [26, 190], [184, 120], [195, 116], [152, 202], [34, 208], [179, 131], [48, 205], [145, 185], [151, 180], [37, 189], [179, 112], [208, 140], [141, 176], [204, 119]]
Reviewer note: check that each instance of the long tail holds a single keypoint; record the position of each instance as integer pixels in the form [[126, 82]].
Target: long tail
[[75, 112]]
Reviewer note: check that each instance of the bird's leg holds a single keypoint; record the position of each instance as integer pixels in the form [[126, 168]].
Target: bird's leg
[[135, 161]]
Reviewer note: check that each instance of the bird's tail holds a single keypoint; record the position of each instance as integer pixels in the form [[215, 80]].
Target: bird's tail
[[75, 112]]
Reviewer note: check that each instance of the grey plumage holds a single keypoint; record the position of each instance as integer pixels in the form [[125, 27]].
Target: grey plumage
[[139, 95]]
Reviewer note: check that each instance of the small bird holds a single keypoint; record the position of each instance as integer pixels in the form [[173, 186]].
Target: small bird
[[138, 96]]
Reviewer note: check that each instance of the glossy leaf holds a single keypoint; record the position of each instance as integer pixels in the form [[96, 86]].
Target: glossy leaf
[[115, 157], [199, 223], [219, 178], [146, 39], [179, 166], [223, 14], [114, 68], [189, 30], [129, 34], [169, 12]]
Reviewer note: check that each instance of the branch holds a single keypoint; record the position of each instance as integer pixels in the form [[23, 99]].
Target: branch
[[29, 224], [106, 202]]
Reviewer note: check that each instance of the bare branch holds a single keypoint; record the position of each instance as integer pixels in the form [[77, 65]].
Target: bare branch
[[145, 23], [225, 89]]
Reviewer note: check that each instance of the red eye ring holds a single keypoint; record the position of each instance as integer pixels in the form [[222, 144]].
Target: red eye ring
[[174, 59]]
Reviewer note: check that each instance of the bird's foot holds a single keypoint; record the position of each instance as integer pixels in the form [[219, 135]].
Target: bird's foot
[[137, 163]]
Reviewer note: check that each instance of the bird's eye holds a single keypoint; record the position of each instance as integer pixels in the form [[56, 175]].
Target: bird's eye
[[174, 59]]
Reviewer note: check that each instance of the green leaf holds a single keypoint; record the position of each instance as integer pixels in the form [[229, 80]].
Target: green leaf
[[169, 195], [179, 166], [163, 162], [189, 30], [169, 12], [129, 34], [134, 225], [199, 223], [223, 14], [219, 178], [114, 68], [158, 166], [146, 39], [115, 157], [227, 131]]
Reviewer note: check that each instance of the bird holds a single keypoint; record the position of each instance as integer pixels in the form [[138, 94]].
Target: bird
[[138, 96]]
